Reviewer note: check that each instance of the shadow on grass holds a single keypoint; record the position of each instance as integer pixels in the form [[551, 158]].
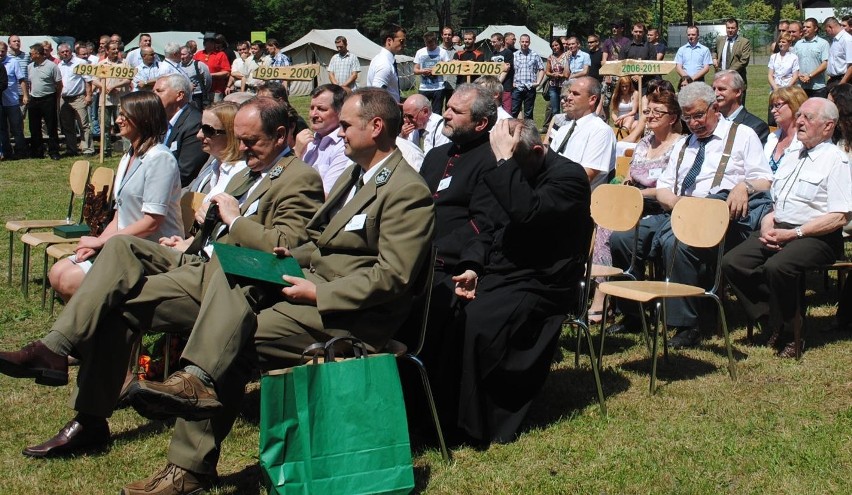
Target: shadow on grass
[[677, 367], [246, 480], [144, 430]]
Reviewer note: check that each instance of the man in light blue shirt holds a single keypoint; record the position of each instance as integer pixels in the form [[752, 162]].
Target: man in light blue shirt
[[578, 60], [693, 59], [813, 60], [11, 117]]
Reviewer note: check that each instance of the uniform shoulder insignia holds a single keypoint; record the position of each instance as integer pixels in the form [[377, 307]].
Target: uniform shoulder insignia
[[383, 176], [276, 171]]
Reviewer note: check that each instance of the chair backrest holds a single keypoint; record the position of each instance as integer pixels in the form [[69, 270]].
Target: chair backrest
[[700, 222], [422, 293], [622, 166], [77, 180], [103, 176], [616, 207], [189, 202], [79, 177]]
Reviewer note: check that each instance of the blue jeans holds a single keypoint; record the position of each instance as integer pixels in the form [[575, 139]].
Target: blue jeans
[[525, 96], [554, 99], [12, 122]]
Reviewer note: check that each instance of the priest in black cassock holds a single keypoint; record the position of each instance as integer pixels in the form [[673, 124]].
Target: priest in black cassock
[[520, 275]]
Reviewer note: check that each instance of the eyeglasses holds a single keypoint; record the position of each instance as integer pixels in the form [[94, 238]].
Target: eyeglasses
[[778, 105], [696, 116], [209, 131], [656, 113]]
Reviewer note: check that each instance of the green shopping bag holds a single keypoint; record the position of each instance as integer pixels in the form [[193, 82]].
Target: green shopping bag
[[335, 428]]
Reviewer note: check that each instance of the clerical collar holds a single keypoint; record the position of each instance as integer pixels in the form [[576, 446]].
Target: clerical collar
[[473, 143]]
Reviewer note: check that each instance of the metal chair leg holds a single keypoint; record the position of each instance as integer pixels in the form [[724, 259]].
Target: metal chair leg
[[585, 329], [655, 338], [427, 388], [644, 327], [11, 252], [603, 332], [732, 365], [25, 272], [44, 281]]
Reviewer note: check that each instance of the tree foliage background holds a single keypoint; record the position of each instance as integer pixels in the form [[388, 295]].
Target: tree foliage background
[[288, 20]]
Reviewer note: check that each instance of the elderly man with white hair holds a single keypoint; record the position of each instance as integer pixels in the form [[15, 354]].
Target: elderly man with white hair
[[420, 124], [812, 195], [175, 92], [699, 166]]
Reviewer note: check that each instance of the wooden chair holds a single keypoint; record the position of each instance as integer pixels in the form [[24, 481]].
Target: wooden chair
[[189, 202], [622, 167], [699, 223], [628, 152], [77, 180], [102, 177]]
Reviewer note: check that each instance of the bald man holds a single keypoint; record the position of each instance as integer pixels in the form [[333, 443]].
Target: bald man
[[420, 125]]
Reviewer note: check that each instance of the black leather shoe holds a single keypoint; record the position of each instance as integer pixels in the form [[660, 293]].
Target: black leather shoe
[[35, 360], [627, 325], [55, 156], [685, 338], [73, 438]]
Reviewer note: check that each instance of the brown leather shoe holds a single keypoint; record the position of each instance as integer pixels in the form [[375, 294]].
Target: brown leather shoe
[[182, 395], [35, 360], [171, 480], [73, 438]]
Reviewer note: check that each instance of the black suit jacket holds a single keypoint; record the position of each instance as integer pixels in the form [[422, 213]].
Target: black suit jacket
[[759, 126], [185, 145]]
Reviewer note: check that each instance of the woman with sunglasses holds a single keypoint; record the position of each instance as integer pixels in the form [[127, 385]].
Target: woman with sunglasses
[[146, 190], [783, 104]]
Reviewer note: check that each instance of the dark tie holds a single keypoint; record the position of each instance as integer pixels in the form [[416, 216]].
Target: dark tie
[[359, 184], [567, 137], [689, 180], [728, 53], [803, 153], [312, 154]]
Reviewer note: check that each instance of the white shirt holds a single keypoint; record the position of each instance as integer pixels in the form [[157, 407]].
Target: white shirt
[[772, 142], [839, 54], [809, 187], [746, 162], [411, 152], [431, 134], [592, 145], [72, 84], [783, 68], [502, 114], [383, 74], [220, 175], [427, 60]]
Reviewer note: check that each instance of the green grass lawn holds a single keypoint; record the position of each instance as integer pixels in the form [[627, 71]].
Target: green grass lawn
[[784, 427]]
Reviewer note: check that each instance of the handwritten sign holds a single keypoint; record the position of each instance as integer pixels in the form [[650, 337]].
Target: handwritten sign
[[104, 71], [636, 68], [303, 72], [467, 68]]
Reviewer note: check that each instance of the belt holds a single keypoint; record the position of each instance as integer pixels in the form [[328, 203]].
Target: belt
[[52, 95], [70, 97]]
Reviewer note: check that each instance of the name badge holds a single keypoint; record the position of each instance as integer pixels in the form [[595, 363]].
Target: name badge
[[356, 223], [173, 146], [445, 183], [655, 173]]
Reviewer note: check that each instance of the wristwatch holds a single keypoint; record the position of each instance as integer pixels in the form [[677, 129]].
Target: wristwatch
[[749, 188], [799, 233]]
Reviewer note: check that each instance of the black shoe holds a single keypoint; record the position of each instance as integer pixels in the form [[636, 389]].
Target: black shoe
[[55, 156], [69, 154], [686, 338], [627, 325]]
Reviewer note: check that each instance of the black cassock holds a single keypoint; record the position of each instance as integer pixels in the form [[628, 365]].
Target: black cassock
[[530, 257]]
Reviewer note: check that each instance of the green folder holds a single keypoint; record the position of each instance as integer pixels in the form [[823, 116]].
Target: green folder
[[257, 265]]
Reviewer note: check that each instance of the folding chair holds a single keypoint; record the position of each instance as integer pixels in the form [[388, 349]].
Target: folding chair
[[699, 223], [77, 180]]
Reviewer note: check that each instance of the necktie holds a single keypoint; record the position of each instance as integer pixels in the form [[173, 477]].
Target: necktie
[[313, 153], [803, 153], [728, 54], [359, 184], [168, 134], [567, 137], [689, 180]]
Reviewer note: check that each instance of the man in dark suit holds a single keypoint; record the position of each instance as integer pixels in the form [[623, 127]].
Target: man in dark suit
[[729, 89], [175, 91], [733, 51], [520, 274], [367, 244], [138, 285]]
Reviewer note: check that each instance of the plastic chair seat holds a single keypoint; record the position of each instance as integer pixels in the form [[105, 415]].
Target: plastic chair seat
[[647, 290]]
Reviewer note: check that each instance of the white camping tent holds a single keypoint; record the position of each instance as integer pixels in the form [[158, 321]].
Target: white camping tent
[[318, 46], [538, 45], [159, 40]]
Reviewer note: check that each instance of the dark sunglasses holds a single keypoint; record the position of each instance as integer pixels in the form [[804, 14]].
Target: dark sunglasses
[[209, 131]]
